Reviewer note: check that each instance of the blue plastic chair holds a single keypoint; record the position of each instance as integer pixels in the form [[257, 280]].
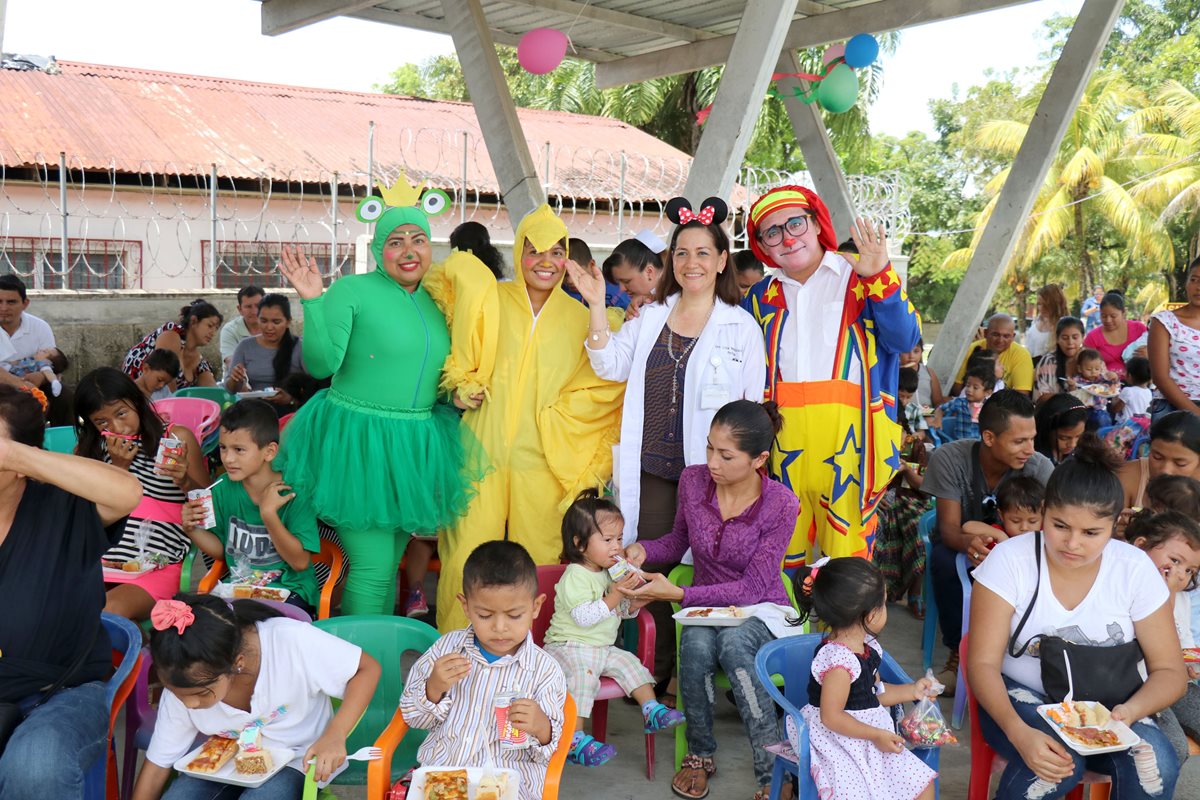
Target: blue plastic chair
[[929, 630], [126, 640], [791, 658], [960, 697], [60, 439]]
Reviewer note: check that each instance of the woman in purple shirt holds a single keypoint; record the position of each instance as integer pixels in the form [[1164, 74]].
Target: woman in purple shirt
[[737, 523]]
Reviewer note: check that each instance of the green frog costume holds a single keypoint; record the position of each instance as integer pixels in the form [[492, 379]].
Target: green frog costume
[[380, 452]]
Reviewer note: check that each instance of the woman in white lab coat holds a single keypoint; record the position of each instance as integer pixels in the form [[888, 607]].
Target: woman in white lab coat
[[683, 357]]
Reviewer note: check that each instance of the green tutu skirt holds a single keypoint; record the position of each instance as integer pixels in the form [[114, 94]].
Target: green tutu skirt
[[367, 467]]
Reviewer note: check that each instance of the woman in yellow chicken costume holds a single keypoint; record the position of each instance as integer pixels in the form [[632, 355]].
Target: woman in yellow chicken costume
[[548, 425]]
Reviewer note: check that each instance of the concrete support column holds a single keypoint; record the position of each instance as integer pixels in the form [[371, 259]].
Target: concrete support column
[[494, 108], [1054, 112], [756, 48], [819, 158]]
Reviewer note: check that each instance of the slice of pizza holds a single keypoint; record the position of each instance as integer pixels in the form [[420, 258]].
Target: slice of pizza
[[1091, 737], [448, 784], [214, 754]]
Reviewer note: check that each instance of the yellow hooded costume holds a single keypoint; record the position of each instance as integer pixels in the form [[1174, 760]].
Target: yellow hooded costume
[[548, 426]]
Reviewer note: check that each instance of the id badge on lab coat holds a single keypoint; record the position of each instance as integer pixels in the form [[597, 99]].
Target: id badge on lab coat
[[715, 392]]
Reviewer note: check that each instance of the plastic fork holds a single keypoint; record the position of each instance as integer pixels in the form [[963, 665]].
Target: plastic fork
[[1070, 683], [362, 754]]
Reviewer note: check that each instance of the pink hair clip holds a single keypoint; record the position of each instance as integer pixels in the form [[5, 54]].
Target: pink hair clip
[[171, 614]]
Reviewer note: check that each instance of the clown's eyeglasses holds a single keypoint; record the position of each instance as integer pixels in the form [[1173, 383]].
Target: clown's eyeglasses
[[795, 227]]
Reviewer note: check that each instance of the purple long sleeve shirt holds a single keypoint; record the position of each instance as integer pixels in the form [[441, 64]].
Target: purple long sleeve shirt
[[738, 560]]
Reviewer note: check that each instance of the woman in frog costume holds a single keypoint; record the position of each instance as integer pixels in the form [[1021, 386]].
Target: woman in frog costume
[[380, 452]]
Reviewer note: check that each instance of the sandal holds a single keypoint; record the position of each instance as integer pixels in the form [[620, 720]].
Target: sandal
[[695, 773], [662, 718], [590, 752]]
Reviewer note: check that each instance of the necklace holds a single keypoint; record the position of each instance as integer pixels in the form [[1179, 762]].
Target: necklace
[[678, 360]]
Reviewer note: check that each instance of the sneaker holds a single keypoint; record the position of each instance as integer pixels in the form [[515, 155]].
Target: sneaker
[[589, 752], [661, 718], [416, 605], [949, 674]]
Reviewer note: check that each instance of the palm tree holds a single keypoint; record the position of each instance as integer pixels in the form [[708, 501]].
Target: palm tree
[[1085, 186]]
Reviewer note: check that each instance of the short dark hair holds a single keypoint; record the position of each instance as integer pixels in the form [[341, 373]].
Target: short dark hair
[[1088, 479], [1114, 300], [579, 251], [59, 361], [499, 563], [1174, 493], [1001, 407], [163, 360], [581, 522], [753, 426], [632, 252], [256, 417], [1137, 370], [745, 260], [11, 283], [1159, 528], [249, 291], [984, 374], [843, 593], [1088, 354], [1020, 491], [473, 237], [982, 356], [22, 415], [1181, 427], [910, 381]]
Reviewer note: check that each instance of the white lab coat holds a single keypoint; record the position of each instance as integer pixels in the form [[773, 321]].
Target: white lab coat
[[729, 362]]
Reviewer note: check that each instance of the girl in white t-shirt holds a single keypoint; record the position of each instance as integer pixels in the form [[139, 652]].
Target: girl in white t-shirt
[[1079, 583], [1172, 540], [233, 668]]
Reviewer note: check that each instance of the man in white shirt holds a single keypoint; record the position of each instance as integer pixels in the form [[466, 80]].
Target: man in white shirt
[[244, 325], [835, 327], [26, 335]]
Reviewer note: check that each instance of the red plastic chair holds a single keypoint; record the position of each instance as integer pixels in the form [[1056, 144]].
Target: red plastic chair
[[548, 577], [985, 763], [202, 417], [284, 420]]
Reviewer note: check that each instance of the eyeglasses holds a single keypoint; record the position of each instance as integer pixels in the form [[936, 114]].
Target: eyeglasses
[[795, 227]]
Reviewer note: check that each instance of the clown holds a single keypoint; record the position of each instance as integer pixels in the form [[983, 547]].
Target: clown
[[549, 425], [379, 453], [835, 327]]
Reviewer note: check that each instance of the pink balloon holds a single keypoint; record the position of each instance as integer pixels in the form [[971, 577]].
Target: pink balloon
[[542, 50], [832, 52]]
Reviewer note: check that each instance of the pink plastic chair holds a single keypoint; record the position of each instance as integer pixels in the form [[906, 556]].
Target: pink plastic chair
[[202, 417]]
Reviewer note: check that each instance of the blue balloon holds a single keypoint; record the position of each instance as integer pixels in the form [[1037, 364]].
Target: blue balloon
[[861, 50]]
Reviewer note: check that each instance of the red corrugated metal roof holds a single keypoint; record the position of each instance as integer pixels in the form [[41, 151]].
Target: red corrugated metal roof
[[142, 121]]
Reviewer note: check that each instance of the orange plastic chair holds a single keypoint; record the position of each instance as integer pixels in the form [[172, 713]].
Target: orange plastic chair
[[985, 763], [548, 577], [330, 555], [379, 772]]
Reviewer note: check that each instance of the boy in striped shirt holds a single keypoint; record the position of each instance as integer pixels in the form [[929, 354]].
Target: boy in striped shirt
[[453, 689]]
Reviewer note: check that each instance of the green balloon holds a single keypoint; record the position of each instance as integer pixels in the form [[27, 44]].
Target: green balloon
[[838, 90]]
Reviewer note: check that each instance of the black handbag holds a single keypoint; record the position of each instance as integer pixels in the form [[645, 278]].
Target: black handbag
[[10, 713], [1107, 675]]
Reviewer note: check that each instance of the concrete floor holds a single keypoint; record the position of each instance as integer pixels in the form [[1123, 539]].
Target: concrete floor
[[625, 778]]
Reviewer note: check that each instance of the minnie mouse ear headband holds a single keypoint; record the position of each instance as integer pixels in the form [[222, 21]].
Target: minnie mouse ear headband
[[797, 197], [713, 211], [400, 204]]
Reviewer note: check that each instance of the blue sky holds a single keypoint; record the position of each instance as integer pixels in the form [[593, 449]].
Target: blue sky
[[222, 38]]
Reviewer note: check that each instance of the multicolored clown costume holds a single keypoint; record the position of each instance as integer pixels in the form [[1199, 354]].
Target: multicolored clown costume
[[548, 427], [380, 453], [840, 443]]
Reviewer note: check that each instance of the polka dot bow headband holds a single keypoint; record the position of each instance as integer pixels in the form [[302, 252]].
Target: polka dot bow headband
[[713, 211]]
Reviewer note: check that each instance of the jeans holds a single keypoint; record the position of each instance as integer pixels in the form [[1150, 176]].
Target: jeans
[[1148, 769], [287, 784], [947, 590], [51, 751], [702, 651], [1160, 408]]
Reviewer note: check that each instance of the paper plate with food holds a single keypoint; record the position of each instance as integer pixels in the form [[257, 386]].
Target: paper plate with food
[[133, 567], [464, 783], [250, 591], [1101, 389], [246, 762], [1088, 727], [258, 394], [721, 617], [1191, 655]]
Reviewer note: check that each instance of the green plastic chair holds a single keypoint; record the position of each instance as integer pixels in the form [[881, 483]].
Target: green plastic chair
[[683, 575], [60, 439], [386, 639], [215, 393]]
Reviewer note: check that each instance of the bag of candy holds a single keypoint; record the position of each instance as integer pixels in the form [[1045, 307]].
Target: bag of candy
[[924, 725]]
